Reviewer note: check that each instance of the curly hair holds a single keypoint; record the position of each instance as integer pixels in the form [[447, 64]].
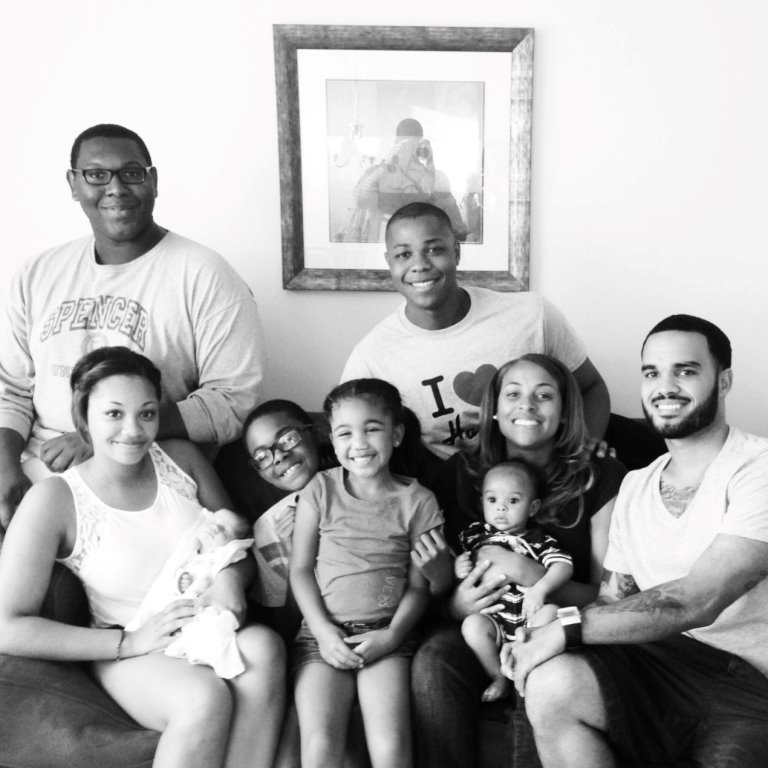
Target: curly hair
[[568, 474]]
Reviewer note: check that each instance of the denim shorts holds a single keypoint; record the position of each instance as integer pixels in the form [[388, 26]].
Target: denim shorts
[[305, 648], [682, 700]]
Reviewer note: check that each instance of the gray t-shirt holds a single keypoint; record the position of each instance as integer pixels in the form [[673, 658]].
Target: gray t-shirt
[[364, 549]]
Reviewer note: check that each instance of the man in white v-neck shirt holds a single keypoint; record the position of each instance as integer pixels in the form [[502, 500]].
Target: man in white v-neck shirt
[[670, 662]]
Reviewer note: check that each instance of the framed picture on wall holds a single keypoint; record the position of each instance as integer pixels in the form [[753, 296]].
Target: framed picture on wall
[[372, 118]]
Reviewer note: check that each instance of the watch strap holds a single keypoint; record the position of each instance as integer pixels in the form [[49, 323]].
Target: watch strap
[[570, 621]]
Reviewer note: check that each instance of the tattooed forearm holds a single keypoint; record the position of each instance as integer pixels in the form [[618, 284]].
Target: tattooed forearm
[[664, 599], [615, 586]]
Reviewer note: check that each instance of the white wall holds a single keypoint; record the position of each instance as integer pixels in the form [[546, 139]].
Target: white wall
[[650, 163]]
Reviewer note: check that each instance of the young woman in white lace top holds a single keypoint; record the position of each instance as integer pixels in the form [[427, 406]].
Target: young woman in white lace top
[[114, 520]]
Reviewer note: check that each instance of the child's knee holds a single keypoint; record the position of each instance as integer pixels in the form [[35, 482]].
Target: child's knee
[[320, 747], [390, 748], [478, 628]]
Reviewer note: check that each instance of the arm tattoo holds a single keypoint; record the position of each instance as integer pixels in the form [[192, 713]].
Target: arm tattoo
[[662, 599], [615, 586]]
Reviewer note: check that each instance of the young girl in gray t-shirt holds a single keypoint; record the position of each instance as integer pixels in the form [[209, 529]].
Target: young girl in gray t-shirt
[[353, 578]]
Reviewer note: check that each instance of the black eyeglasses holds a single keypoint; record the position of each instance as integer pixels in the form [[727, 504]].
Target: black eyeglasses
[[100, 177], [263, 458]]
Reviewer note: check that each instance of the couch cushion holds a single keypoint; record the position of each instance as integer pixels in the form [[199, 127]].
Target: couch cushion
[[54, 714]]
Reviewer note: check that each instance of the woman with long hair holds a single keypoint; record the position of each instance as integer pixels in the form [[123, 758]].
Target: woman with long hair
[[531, 411]]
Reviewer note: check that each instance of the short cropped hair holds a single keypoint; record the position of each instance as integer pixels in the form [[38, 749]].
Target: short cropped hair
[[718, 343], [409, 127], [107, 131], [100, 364], [419, 211], [522, 467], [286, 407]]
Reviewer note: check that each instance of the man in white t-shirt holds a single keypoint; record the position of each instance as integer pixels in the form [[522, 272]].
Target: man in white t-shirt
[[444, 344], [669, 664], [131, 283]]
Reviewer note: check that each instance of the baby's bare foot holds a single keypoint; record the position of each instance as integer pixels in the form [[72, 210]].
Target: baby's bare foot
[[498, 689]]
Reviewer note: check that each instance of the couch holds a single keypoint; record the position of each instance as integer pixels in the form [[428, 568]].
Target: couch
[[54, 715]]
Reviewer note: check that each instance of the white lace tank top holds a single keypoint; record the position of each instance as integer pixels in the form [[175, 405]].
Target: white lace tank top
[[118, 553]]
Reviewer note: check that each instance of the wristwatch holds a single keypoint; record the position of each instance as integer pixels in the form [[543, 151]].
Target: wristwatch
[[570, 621]]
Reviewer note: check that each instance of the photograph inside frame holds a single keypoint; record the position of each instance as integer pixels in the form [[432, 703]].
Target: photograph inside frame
[[373, 118], [394, 142]]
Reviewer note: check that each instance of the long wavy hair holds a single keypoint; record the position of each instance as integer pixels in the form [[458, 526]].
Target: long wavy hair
[[568, 474]]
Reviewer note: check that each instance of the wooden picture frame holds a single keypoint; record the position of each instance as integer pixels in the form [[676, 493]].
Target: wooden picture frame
[[314, 62]]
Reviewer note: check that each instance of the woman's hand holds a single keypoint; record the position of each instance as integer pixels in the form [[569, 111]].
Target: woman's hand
[[331, 642], [156, 633], [518, 569], [476, 594], [374, 644]]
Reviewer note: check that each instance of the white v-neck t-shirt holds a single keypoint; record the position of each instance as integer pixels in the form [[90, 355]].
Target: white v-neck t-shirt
[[653, 546]]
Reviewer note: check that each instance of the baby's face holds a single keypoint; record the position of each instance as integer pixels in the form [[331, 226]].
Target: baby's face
[[219, 531], [508, 499]]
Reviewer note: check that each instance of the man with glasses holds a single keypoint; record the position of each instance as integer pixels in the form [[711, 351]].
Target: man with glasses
[[131, 283]]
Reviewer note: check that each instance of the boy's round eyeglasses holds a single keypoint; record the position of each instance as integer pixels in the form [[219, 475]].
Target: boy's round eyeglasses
[[263, 458], [100, 177]]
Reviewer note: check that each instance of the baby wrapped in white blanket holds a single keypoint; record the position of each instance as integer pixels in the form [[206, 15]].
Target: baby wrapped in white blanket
[[211, 544]]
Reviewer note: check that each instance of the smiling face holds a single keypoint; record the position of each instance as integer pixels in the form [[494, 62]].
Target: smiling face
[[682, 389], [364, 437], [118, 212], [422, 255], [123, 418], [509, 499], [291, 470], [529, 407]]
